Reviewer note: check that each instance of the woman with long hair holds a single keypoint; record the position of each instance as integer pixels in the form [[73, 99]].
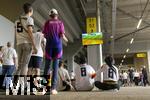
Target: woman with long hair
[[110, 75]]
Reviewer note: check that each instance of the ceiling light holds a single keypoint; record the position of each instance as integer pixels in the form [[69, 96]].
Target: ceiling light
[[111, 36], [127, 50], [124, 56], [122, 61], [139, 23], [131, 40]]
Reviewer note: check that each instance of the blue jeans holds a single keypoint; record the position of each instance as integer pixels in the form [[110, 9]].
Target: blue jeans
[[7, 71], [0, 70], [55, 71]]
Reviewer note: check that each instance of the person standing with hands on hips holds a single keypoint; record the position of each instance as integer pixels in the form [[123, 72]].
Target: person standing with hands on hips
[[54, 32]]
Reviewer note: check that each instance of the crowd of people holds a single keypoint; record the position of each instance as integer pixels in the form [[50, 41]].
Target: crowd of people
[[31, 47], [86, 78], [133, 77]]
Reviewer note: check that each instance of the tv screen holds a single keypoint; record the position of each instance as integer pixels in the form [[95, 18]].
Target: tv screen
[[92, 38]]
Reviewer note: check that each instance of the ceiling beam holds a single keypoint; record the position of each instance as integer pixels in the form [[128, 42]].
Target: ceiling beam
[[75, 10], [81, 4], [71, 16], [132, 16], [43, 9], [125, 3], [123, 17], [135, 31], [38, 17]]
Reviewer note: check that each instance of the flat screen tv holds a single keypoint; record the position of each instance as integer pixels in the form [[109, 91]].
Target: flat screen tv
[[92, 38]]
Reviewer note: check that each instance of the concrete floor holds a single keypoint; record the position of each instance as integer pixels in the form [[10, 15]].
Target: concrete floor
[[125, 93], [22, 97], [31, 97]]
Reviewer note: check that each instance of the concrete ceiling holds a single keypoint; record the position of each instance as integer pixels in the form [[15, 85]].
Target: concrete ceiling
[[74, 12], [128, 15]]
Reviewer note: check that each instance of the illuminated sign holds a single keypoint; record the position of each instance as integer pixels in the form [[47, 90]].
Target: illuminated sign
[[141, 55]]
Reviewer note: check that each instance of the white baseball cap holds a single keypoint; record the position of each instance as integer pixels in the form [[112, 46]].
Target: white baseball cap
[[53, 12]]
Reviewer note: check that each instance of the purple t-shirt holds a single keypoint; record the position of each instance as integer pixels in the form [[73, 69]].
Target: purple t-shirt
[[53, 31]]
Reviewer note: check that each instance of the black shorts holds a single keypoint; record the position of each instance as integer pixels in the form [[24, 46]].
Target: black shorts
[[35, 62], [125, 81]]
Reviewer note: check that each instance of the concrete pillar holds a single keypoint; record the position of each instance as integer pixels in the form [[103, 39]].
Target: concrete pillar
[[94, 56], [95, 51], [148, 60]]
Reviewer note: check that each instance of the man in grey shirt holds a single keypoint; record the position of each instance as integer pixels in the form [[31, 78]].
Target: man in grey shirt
[[24, 38], [64, 82]]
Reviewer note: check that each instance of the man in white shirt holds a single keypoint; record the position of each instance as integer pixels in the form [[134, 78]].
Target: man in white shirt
[[9, 59], [125, 78], [109, 76], [35, 62], [36, 59], [136, 77], [84, 76]]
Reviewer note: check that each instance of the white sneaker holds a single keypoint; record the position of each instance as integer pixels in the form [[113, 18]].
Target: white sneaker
[[112, 90], [54, 92], [115, 90]]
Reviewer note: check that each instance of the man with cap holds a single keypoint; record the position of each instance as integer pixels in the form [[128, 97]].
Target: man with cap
[[54, 32]]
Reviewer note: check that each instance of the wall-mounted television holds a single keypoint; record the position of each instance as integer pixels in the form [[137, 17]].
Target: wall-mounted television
[[92, 38]]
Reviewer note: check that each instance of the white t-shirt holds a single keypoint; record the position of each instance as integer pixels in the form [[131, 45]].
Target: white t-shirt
[[1, 58], [136, 74], [109, 74], [125, 75], [83, 77], [64, 75], [38, 38], [21, 35], [8, 56]]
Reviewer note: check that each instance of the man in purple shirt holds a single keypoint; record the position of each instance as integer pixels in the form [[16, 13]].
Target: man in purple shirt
[[53, 32]]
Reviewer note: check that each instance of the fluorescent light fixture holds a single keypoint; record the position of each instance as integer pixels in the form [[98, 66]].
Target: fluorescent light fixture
[[124, 56], [127, 50], [139, 23], [122, 61], [111, 36], [131, 40]]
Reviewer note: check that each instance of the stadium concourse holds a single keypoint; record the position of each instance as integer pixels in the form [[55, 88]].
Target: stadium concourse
[[95, 43]]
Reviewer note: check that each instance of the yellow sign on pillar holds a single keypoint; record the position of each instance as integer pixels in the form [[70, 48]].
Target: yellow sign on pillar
[[91, 25], [141, 55]]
